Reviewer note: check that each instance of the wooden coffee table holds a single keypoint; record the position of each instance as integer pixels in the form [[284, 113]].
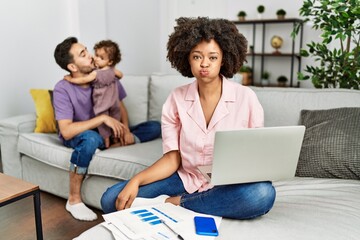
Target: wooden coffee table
[[13, 189]]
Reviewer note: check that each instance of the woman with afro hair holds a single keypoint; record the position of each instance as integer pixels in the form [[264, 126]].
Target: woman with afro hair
[[211, 50]]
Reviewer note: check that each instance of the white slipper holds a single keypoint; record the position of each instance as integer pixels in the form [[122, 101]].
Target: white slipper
[[81, 212]]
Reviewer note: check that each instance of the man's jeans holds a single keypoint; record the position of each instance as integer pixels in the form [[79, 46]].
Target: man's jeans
[[84, 145], [238, 201], [146, 131]]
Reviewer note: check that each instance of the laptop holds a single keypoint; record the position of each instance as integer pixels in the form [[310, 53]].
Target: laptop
[[254, 154]]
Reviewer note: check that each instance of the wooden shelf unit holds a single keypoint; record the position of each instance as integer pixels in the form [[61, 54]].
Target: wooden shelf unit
[[262, 54]]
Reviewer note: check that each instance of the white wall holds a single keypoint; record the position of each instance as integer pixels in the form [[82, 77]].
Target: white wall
[[30, 30], [135, 26], [229, 9], [27, 44]]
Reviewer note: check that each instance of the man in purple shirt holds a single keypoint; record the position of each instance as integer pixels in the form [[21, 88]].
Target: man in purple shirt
[[77, 122]]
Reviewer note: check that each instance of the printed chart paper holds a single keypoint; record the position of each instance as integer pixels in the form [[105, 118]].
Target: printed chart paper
[[145, 223]]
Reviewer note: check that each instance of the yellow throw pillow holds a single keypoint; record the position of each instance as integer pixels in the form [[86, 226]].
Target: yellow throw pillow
[[45, 117]]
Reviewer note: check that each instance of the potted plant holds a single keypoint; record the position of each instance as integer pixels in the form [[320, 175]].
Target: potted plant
[[282, 81], [337, 66], [265, 78], [281, 14], [251, 49], [260, 10], [242, 15], [246, 75]]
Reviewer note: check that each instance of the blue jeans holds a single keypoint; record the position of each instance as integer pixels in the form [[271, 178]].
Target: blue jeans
[[237, 201], [146, 131], [84, 145]]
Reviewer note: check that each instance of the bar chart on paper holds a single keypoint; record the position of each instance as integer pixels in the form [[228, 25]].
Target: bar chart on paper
[[145, 223], [159, 222]]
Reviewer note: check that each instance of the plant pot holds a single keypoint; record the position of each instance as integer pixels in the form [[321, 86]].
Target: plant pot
[[280, 17], [264, 82], [251, 49], [246, 78], [241, 18], [282, 84]]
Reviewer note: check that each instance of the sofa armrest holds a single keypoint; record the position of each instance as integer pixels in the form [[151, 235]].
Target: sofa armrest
[[10, 129]]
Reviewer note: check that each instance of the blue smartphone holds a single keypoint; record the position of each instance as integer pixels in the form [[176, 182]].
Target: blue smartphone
[[205, 226]]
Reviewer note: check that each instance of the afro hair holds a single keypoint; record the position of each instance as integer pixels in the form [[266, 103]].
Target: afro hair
[[189, 32]]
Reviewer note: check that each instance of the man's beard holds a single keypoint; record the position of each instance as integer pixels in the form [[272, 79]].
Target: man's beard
[[86, 69]]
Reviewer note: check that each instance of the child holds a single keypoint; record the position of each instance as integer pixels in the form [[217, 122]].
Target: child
[[103, 79]]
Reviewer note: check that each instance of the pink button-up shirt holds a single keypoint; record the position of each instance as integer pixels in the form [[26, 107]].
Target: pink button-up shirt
[[184, 126]]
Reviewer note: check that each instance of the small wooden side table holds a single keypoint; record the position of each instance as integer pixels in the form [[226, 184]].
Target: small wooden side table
[[13, 189]]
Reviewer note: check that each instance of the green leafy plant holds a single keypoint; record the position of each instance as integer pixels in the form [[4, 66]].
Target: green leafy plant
[[260, 8], [245, 68], [282, 79], [242, 14], [246, 73], [338, 20], [281, 12], [265, 75], [265, 78]]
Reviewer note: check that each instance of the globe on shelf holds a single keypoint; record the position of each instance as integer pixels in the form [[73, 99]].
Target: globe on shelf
[[276, 42]]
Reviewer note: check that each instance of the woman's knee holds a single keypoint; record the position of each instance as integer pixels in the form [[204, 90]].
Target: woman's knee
[[256, 199], [108, 199], [266, 195], [108, 202]]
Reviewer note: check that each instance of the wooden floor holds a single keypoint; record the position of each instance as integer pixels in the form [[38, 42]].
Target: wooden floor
[[17, 220]]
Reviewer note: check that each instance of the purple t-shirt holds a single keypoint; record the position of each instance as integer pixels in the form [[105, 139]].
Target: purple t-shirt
[[74, 102]]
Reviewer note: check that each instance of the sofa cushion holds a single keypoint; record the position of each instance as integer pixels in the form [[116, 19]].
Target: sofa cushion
[[45, 117], [305, 208], [121, 163], [124, 162], [136, 101], [160, 88], [46, 148], [282, 106], [331, 146]]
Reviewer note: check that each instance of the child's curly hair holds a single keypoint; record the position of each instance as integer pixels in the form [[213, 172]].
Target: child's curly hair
[[191, 31], [112, 49]]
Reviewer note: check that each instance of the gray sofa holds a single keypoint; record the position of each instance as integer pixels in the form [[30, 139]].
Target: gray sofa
[[306, 207]]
